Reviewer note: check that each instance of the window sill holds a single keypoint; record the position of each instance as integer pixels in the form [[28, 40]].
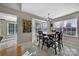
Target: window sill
[[70, 36]]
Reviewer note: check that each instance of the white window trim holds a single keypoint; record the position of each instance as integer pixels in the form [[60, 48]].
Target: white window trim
[[8, 28], [76, 28]]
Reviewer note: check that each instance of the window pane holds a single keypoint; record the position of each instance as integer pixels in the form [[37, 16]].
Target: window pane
[[12, 28], [68, 27]]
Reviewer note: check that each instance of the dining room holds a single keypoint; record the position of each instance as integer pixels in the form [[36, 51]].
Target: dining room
[[50, 30]]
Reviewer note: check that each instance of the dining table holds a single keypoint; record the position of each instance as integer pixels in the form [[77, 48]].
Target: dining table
[[51, 39], [49, 34]]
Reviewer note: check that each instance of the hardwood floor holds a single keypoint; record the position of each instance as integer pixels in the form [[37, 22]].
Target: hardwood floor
[[66, 51], [15, 50], [70, 48]]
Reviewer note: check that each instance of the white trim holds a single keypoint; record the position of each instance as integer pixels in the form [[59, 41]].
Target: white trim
[[8, 27]]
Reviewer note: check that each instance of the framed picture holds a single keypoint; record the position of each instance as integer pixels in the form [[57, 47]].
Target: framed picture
[[27, 26]]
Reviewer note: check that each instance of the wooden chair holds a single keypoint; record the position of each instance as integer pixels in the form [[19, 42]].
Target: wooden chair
[[39, 37], [54, 40], [49, 41], [58, 37]]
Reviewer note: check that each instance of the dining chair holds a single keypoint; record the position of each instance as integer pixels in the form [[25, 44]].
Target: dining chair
[[58, 36], [39, 37], [49, 41]]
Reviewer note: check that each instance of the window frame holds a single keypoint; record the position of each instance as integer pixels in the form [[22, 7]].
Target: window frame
[[8, 28], [76, 35]]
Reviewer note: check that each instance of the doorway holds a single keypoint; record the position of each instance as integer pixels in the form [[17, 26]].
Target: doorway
[[38, 25], [8, 30]]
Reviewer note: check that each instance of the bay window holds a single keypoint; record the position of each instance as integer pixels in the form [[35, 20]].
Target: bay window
[[69, 27]]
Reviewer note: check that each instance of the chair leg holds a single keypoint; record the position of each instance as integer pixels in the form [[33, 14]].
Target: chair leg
[[37, 38], [62, 43], [55, 49], [39, 43], [48, 46], [42, 45], [59, 46]]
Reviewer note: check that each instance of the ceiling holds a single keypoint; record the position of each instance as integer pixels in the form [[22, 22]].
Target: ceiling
[[42, 9], [55, 9], [11, 5]]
